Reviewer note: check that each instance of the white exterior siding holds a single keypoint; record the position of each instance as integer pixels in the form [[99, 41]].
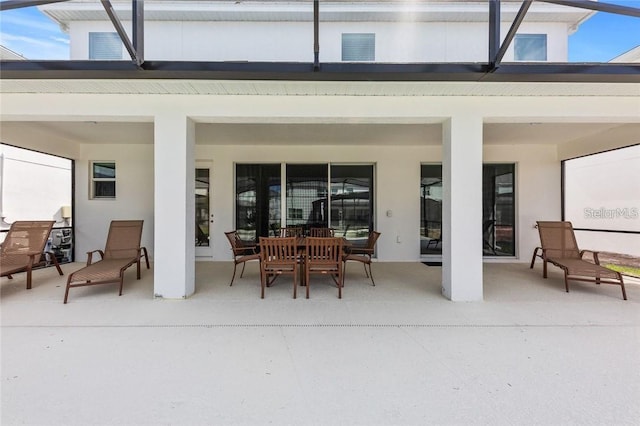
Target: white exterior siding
[[400, 42]]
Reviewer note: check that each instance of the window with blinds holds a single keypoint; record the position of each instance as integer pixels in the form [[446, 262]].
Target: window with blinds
[[105, 46], [358, 47], [530, 47]]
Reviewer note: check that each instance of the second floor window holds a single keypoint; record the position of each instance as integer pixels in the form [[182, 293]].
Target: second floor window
[[105, 46], [530, 47], [358, 47]]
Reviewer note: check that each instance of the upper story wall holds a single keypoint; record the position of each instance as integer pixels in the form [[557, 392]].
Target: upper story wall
[[293, 41], [415, 31]]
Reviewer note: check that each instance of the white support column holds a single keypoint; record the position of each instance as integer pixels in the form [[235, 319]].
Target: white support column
[[174, 206], [462, 208]]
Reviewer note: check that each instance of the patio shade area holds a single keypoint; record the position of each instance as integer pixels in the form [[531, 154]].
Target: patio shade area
[[397, 353]]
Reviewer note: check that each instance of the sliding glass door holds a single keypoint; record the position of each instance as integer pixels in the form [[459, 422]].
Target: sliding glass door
[[498, 210], [316, 195]]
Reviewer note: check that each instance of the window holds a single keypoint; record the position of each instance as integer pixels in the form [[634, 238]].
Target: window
[[103, 179], [358, 47], [312, 199], [295, 213], [105, 46], [530, 47]]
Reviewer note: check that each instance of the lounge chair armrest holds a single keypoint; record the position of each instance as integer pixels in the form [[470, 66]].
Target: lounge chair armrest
[[596, 260], [90, 256]]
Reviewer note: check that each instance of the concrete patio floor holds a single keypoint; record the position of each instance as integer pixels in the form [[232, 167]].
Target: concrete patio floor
[[395, 354]]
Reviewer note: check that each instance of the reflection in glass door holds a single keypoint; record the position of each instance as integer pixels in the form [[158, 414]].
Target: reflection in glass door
[[307, 196], [498, 210], [431, 209], [257, 200], [352, 201], [203, 219]]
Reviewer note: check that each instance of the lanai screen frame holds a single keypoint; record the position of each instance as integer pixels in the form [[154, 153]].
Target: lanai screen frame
[[563, 193], [491, 71]]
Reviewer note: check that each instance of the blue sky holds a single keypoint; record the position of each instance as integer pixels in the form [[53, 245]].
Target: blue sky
[[601, 38]]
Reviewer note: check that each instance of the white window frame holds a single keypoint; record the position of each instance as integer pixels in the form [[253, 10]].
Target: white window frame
[[342, 50], [93, 180], [530, 35], [112, 34]]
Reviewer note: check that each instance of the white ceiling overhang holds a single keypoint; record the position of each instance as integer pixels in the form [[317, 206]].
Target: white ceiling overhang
[[302, 10], [316, 88]]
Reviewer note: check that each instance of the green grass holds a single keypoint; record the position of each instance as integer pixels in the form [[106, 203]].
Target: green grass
[[626, 270]]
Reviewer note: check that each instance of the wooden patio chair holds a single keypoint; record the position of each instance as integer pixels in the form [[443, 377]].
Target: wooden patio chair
[[121, 251], [242, 252], [363, 255], [559, 247], [322, 232], [278, 256], [23, 248], [291, 231], [323, 256]]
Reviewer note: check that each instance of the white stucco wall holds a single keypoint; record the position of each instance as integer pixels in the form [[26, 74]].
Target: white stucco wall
[[293, 41], [538, 166], [134, 195]]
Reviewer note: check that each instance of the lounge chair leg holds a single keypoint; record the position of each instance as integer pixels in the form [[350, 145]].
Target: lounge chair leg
[[234, 273], [55, 262], [121, 284], [29, 279], [66, 292], [243, 265], [263, 278], [365, 269], [544, 268], [566, 282], [533, 259], [624, 292], [146, 256]]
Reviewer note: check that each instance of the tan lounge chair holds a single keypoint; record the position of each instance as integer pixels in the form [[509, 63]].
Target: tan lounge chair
[[23, 247], [559, 247], [121, 251]]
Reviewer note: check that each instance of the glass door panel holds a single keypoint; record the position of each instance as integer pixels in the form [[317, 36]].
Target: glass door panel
[[352, 201], [307, 196], [431, 209], [258, 188], [498, 210], [203, 216]]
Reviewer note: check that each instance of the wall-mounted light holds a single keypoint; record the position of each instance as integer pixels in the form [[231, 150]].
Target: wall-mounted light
[[65, 212]]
